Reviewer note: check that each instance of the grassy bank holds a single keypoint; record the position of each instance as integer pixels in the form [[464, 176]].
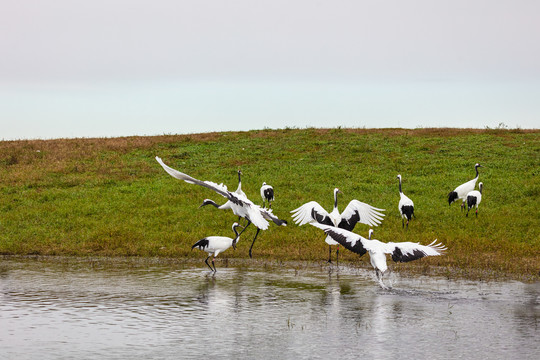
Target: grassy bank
[[109, 197]]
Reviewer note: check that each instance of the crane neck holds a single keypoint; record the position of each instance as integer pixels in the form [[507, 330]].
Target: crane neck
[[237, 235], [400, 186], [209, 202], [335, 199], [477, 174]]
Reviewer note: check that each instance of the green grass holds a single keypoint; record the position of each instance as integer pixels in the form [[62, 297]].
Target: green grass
[[109, 197]]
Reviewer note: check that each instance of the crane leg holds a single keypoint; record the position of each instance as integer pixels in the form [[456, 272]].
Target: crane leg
[[337, 255], [255, 238], [249, 222], [379, 278], [214, 264], [206, 261], [329, 254]]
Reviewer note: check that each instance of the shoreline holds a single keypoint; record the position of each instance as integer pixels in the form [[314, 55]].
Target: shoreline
[[347, 266]]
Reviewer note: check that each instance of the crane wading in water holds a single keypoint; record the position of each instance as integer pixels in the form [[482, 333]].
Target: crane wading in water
[[217, 244], [401, 252]]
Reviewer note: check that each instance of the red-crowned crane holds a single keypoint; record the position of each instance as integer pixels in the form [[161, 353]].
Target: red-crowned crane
[[267, 194], [474, 198], [217, 244], [239, 204], [462, 190], [355, 212], [401, 252], [405, 206]]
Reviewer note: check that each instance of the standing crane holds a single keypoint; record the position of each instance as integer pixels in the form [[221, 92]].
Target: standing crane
[[405, 206], [462, 190]]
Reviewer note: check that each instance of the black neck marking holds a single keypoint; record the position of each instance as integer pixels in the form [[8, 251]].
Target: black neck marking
[[209, 202], [236, 233]]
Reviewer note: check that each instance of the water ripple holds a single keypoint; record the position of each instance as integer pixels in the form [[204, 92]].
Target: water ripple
[[53, 311]]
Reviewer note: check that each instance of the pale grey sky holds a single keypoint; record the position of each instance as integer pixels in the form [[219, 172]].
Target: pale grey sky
[[73, 68]]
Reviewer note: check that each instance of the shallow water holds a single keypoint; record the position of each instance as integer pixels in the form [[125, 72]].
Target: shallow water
[[77, 310]]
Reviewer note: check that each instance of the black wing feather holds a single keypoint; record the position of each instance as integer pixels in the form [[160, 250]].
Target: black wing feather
[[471, 201], [234, 199], [342, 239], [408, 211], [349, 224], [399, 256], [321, 219], [269, 194], [453, 196], [201, 244]]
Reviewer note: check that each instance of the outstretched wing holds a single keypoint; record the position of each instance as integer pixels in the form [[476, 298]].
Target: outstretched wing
[[409, 251], [219, 188], [268, 214], [349, 240], [255, 215], [359, 212], [311, 212], [250, 210]]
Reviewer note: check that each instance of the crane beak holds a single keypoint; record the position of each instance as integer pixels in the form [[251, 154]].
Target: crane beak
[[204, 203]]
